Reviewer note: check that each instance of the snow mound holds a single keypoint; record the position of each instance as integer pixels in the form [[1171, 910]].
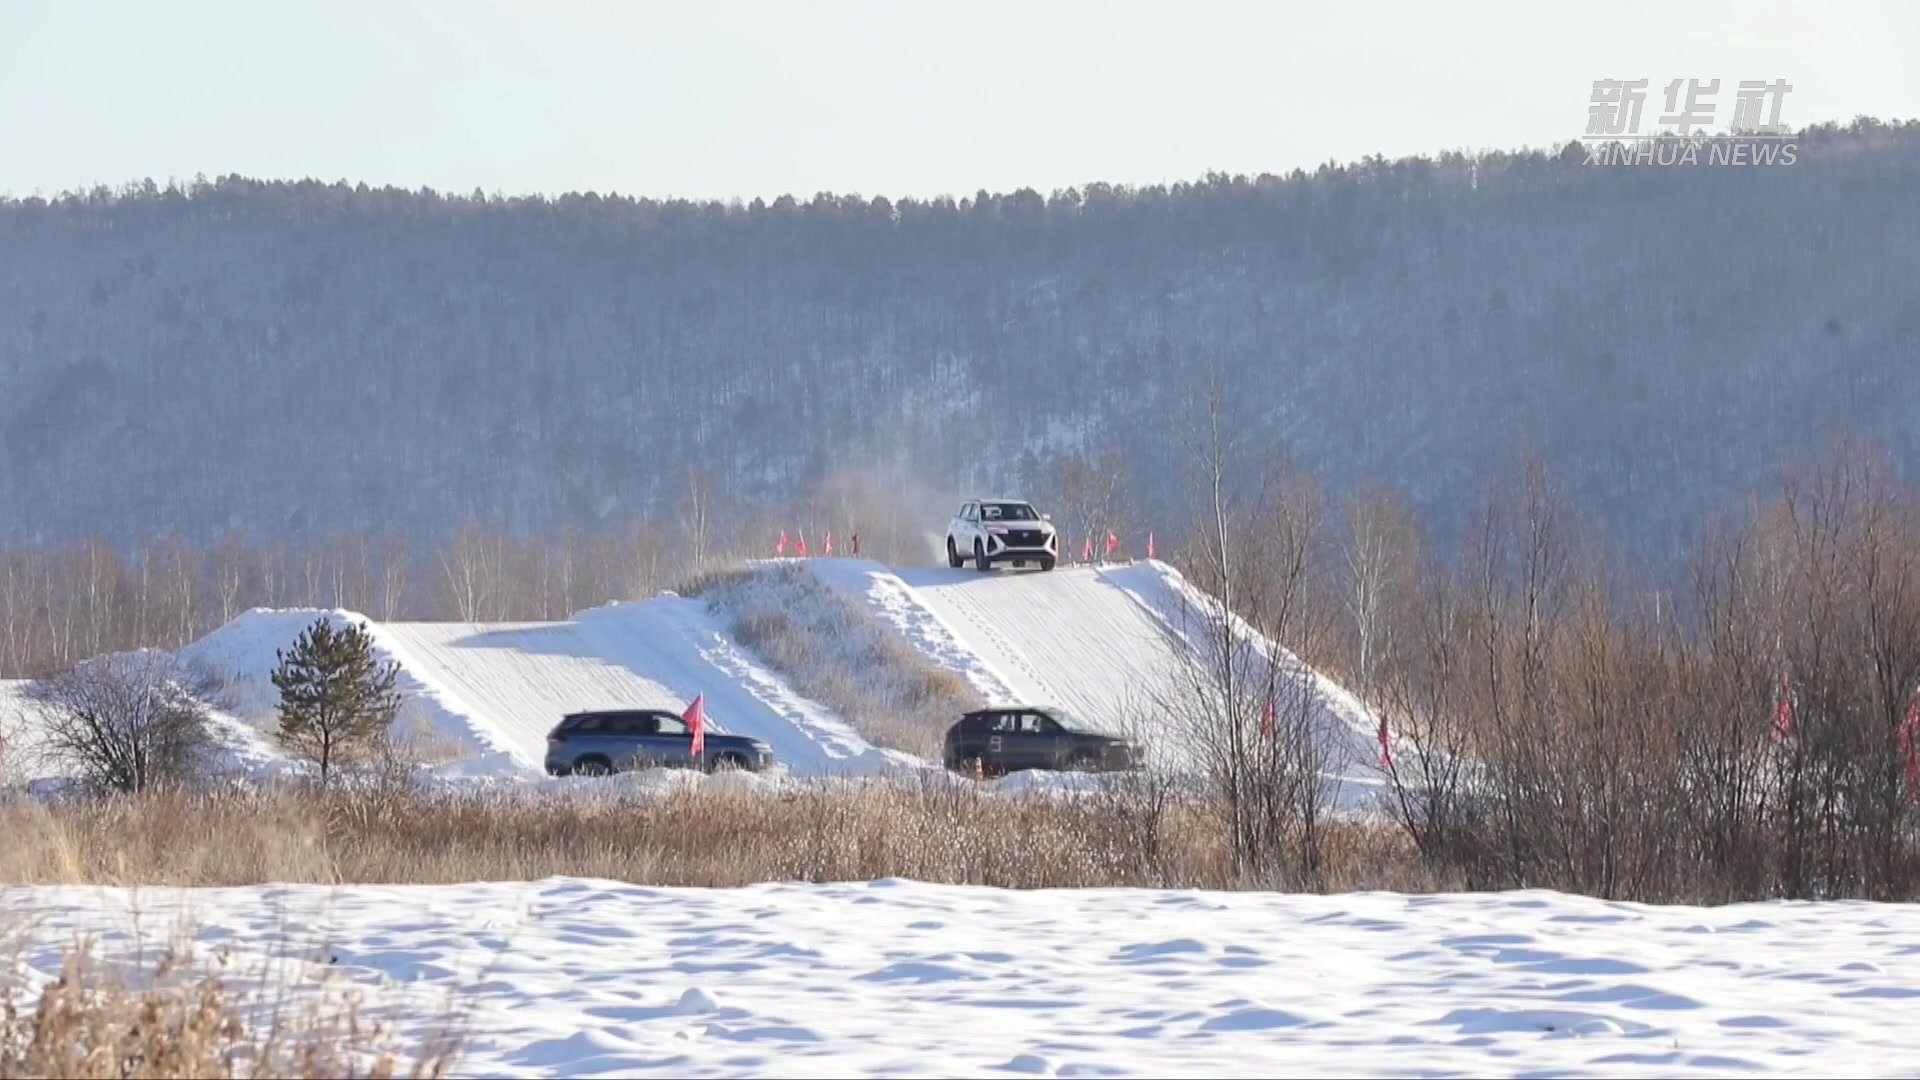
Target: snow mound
[[1104, 642], [495, 689]]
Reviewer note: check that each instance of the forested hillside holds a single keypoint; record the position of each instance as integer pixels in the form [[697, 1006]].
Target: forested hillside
[[303, 361]]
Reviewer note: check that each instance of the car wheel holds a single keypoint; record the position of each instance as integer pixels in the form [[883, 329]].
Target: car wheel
[[1083, 762], [592, 766], [953, 557], [980, 562], [1046, 564]]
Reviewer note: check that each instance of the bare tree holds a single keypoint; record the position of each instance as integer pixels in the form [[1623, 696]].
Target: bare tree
[[1091, 496], [125, 721], [394, 562], [1252, 715], [693, 518], [471, 568]]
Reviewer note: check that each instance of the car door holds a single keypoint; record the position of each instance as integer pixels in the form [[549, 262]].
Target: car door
[[965, 528], [1002, 740], [672, 740], [1040, 741], [627, 736], [592, 735]]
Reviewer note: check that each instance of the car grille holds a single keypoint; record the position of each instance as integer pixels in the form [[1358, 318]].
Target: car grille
[[1023, 537]]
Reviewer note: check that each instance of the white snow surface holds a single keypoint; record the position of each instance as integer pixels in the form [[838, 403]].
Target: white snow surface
[[568, 977]]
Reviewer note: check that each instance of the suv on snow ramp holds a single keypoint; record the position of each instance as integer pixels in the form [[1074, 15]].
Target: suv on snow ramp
[[615, 740], [1010, 738], [1001, 530]]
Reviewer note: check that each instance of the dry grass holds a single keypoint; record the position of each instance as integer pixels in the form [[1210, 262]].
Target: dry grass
[[835, 652], [935, 830], [182, 1018]]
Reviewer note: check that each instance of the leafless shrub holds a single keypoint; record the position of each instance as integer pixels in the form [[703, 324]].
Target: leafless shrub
[[181, 1017], [125, 721]]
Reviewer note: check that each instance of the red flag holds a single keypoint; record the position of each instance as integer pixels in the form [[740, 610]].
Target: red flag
[[1149, 545], [1113, 543], [1782, 713], [1086, 550], [1909, 740], [1266, 720], [780, 545], [1386, 745], [827, 548], [800, 546], [696, 718]]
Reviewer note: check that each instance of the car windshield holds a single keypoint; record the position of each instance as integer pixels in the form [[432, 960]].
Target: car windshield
[[1008, 512], [1067, 720]]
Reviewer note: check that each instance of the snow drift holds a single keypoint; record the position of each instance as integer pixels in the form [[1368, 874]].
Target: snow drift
[[570, 977]]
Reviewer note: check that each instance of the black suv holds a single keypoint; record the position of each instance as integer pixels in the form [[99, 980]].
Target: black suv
[[1015, 737]]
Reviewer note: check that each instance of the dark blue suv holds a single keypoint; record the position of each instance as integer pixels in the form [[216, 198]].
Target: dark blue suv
[[614, 740]]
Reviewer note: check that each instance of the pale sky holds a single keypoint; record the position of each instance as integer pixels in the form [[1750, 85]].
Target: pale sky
[[725, 99]]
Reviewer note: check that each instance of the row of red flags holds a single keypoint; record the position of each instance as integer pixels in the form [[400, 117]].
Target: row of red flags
[[799, 545], [1906, 737], [1385, 737]]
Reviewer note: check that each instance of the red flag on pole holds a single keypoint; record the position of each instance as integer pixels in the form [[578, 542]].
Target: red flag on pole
[[1113, 543], [1149, 545], [1386, 745], [826, 548], [1086, 550], [1782, 713], [696, 718], [800, 546], [780, 545], [1908, 739]]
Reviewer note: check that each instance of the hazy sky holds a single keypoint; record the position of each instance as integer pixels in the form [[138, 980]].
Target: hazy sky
[[738, 99]]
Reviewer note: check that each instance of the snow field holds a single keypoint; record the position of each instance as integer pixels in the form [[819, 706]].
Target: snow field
[[893, 978]]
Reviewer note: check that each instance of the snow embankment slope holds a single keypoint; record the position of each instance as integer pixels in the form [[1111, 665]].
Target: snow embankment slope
[[496, 689], [568, 977], [1111, 644]]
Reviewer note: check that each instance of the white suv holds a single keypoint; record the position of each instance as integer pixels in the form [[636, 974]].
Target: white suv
[[1001, 530]]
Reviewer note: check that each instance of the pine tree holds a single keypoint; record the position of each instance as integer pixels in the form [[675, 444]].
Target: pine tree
[[336, 699]]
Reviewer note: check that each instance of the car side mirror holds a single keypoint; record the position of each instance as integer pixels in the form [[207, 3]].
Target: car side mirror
[[1046, 517]]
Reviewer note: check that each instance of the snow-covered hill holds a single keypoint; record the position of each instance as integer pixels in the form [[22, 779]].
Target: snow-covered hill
[[496, 689], [569, 977], [1103, 642], [1108, 643]]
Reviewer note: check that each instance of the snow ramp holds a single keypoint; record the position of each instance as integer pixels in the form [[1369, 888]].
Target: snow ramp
[[498, 688], [1104, 642]]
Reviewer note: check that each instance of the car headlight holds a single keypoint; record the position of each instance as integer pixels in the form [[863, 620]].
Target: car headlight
[[997, 530]]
